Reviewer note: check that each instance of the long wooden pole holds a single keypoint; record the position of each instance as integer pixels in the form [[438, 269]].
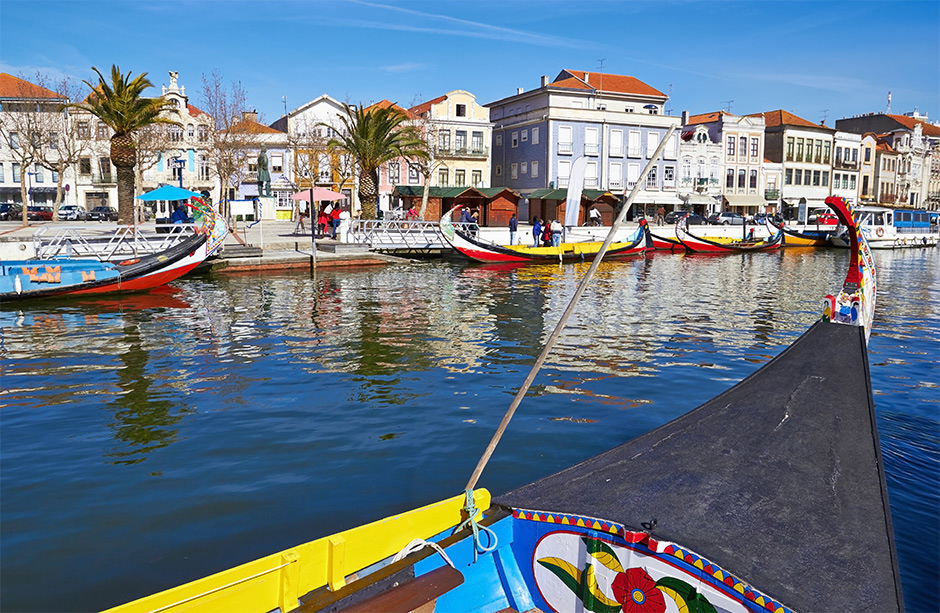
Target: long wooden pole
[[560, 326]]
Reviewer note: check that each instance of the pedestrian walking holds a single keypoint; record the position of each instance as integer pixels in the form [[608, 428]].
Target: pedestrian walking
[[513, 226]]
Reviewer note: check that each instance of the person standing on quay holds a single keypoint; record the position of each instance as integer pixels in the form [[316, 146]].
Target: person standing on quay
[[536, 231], [513, 226], [556, 233], [334, 217]]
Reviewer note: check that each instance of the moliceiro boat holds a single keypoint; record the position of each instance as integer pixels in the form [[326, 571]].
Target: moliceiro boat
[[31, 279], [886, 228], [769, 497], [704, 244], [461, 237]]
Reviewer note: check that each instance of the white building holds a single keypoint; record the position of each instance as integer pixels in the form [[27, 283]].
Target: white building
[[846, 165]]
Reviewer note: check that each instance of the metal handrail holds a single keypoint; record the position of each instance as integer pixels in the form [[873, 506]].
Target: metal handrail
[[90, 242], [401, 233]]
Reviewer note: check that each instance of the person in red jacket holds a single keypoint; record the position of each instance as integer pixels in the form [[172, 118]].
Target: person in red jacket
[[334, 217]]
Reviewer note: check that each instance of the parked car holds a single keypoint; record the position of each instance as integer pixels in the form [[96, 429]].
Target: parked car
[[823, 219], [102, 213], [39, 213], [726, 218], [674, 216], [693, 219], [760, 218], [72, 212], [10, 211]]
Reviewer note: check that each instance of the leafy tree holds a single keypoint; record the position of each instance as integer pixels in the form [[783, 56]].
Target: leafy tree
[[373, 136], [118, 103]]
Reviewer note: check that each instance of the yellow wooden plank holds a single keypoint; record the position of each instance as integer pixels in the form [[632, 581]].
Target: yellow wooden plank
[[278, 580]]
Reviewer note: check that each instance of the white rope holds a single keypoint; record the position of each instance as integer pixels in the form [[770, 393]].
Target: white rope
[[417, 545]]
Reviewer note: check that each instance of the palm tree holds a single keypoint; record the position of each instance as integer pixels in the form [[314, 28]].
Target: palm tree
[[119, 105], [373, 136]]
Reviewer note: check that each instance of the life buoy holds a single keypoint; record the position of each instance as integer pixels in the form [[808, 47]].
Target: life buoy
[[880, 232], [129, 262]]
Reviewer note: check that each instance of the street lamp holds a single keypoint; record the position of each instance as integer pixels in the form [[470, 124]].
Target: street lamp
[[178, 166]]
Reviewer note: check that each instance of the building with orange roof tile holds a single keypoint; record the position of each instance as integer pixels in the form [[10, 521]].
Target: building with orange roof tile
[[916, 142], [615, 121], [804, 149], [458, 133], [277, 151]]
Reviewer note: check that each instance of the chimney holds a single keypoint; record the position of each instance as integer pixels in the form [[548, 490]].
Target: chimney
[[685, 118], [586, 79], [544, 80], [519, 90], [250, 116]]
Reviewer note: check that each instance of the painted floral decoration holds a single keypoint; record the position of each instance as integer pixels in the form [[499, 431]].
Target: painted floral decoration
[[634, 590]]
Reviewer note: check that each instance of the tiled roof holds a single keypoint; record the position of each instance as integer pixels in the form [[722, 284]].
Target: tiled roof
[[248, 126], [424, 107], [384, 104], [909, 122], [784, 118], [582, 79], [704, 118], [195, 112], [13, 87]]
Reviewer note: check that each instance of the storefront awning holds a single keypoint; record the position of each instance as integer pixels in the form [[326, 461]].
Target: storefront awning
[[744, 200]]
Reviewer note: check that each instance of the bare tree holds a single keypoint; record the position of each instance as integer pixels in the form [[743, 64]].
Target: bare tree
[[307, 141], [228, 149], [60, 147], [152, 143]]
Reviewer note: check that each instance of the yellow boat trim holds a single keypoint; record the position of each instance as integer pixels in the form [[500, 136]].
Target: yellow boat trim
[[278, 581]]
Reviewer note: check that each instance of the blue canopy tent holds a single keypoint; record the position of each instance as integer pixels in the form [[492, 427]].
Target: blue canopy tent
[[167, 192]]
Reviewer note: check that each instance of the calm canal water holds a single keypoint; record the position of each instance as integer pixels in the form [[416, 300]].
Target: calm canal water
[[152, 440]]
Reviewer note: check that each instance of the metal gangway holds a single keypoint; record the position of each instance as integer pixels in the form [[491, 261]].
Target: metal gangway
[[398, 235], [109, 242]]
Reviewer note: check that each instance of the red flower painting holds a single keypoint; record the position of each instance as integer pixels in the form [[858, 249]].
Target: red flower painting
[[636, 591]]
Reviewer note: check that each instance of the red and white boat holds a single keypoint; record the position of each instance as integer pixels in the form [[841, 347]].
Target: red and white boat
[[463, 240], [702, 244]]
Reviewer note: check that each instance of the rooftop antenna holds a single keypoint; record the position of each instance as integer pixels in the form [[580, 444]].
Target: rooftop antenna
[[284, 100], [669, 97], [600, 64], [888, 110], [728, 105], [825, 115]]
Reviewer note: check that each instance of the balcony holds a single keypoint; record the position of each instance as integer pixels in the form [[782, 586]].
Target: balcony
[[463, 152], [888, 198], [565, 149], [771, 194], [591, 149], [101, 179]]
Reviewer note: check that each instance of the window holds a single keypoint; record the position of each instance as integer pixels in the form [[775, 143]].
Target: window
[[819, 148], [564, 173], [203, 168], [671, 151], [102, 131], [731, 142], [564, 139], [460, 140], [515, 139], [174, 132], [16, 172], [742, 149], [460, 177], [277, 162], [590, 141], [755, 147], [652, 181], [669, 176], [615, 178], [851, 182], [524, 168], [590, 175], [461, 110], [525, 136], [476, 178], [729, 179], [323, 167], [827, 147], [443, 175], [499, 170], [499, 140], [535, 169], [788, 177], [825, 178], [1, 172], [394, 173], [799, 150], [203, 132], [790, 148], [413, 176], [616, 143], [84, 166], [37, 172], [633, 144], [839, 155], [83, 130], [535, 135], [53, 140], [742, 176], [14, 140], [652, 142], [633, 174], [753, 182], [798, 177], [514, 171], [687, 168], [476, 141]]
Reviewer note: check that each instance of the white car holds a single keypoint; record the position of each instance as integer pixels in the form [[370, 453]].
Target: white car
[[72, 212]]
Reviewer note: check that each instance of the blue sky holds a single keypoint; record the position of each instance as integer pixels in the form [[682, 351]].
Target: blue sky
[[816, 59]]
